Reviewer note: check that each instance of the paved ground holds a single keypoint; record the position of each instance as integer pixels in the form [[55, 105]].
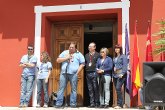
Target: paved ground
[[67, 108]]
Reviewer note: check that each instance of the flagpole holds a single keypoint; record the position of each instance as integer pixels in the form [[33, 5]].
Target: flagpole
[[149, 56], [135, 69], [136, 97], [127, 83], [162, 53]]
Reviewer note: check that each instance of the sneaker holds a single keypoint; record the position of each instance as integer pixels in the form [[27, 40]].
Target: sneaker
[[141, 107], [58, 106], [117, 107], [73, 106], [101, 106], [97, 106], [148, 107], [106, 106], [45, 105], [91, 106], [25, 105], [21, 105], [38, 105]]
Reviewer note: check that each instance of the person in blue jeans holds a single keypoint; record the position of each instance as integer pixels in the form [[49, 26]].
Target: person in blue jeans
[[72, 62], [28, 63], [103, 69], [119, 74], [45, 68], [141, 98]]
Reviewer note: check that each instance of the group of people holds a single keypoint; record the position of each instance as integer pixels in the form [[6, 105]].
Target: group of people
[[30, 66], [100, 71]]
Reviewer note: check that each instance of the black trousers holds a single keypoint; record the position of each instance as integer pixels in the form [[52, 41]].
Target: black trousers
[[93, 88]]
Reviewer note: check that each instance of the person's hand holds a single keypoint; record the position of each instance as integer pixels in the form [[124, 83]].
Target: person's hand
[[120, 75], [114, 69], [100, 71], [141, 85], [46, 80], [68, 57], [23, 65]]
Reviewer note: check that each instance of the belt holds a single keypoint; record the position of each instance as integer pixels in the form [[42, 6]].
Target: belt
[[118, 71], [90, 71]]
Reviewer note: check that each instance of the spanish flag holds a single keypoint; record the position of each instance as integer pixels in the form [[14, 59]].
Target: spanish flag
[[135, 67]]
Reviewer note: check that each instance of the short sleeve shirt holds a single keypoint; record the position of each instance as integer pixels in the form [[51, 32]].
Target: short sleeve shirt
[[71, 67], [29, 70], [43, 70]]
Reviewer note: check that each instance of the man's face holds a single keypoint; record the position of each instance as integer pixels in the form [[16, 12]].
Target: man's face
[[91, 47], [30, 50], [72, 48]]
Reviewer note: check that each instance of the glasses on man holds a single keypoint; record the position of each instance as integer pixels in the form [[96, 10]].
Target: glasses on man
[[30, 49]]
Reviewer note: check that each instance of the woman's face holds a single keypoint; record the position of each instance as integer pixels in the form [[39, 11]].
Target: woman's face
[[42, 57], [103, 53], [117, 50]]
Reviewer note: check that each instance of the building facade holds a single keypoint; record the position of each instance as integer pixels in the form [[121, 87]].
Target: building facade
[[52, 25]]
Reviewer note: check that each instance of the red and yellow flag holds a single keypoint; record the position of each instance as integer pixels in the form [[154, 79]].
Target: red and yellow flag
[[135, 68]]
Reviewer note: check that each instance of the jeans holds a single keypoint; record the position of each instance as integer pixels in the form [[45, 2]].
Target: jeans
[[27, 84], [106, 91], [118, 82], [93, 88], [141, 99], [41, 83], [62, 85], [141, 95]]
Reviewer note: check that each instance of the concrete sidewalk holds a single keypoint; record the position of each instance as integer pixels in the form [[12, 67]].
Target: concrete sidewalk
[[66, 108]]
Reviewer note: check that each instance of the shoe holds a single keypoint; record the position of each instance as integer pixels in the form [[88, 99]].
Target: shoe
[[106, 106], [97, 106], [45, 106], [101, 106], [91, 106], [38, 105], [125, 106], [73, 106], [141, 107], [21, 105], [117, 107], [148, 107], [25, 105], [57, 106]]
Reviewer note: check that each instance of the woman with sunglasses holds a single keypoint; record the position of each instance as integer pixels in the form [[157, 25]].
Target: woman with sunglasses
[[103, 68]]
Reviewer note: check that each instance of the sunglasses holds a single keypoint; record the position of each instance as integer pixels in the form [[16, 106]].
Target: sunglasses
[[30, 49]]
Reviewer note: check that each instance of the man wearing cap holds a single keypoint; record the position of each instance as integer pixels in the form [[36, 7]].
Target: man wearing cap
[[28, 63]]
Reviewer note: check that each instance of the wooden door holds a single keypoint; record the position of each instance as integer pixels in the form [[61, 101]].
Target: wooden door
[[63, 35]]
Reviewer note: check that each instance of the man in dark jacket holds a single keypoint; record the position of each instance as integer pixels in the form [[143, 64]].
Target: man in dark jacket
[[91, 75]]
